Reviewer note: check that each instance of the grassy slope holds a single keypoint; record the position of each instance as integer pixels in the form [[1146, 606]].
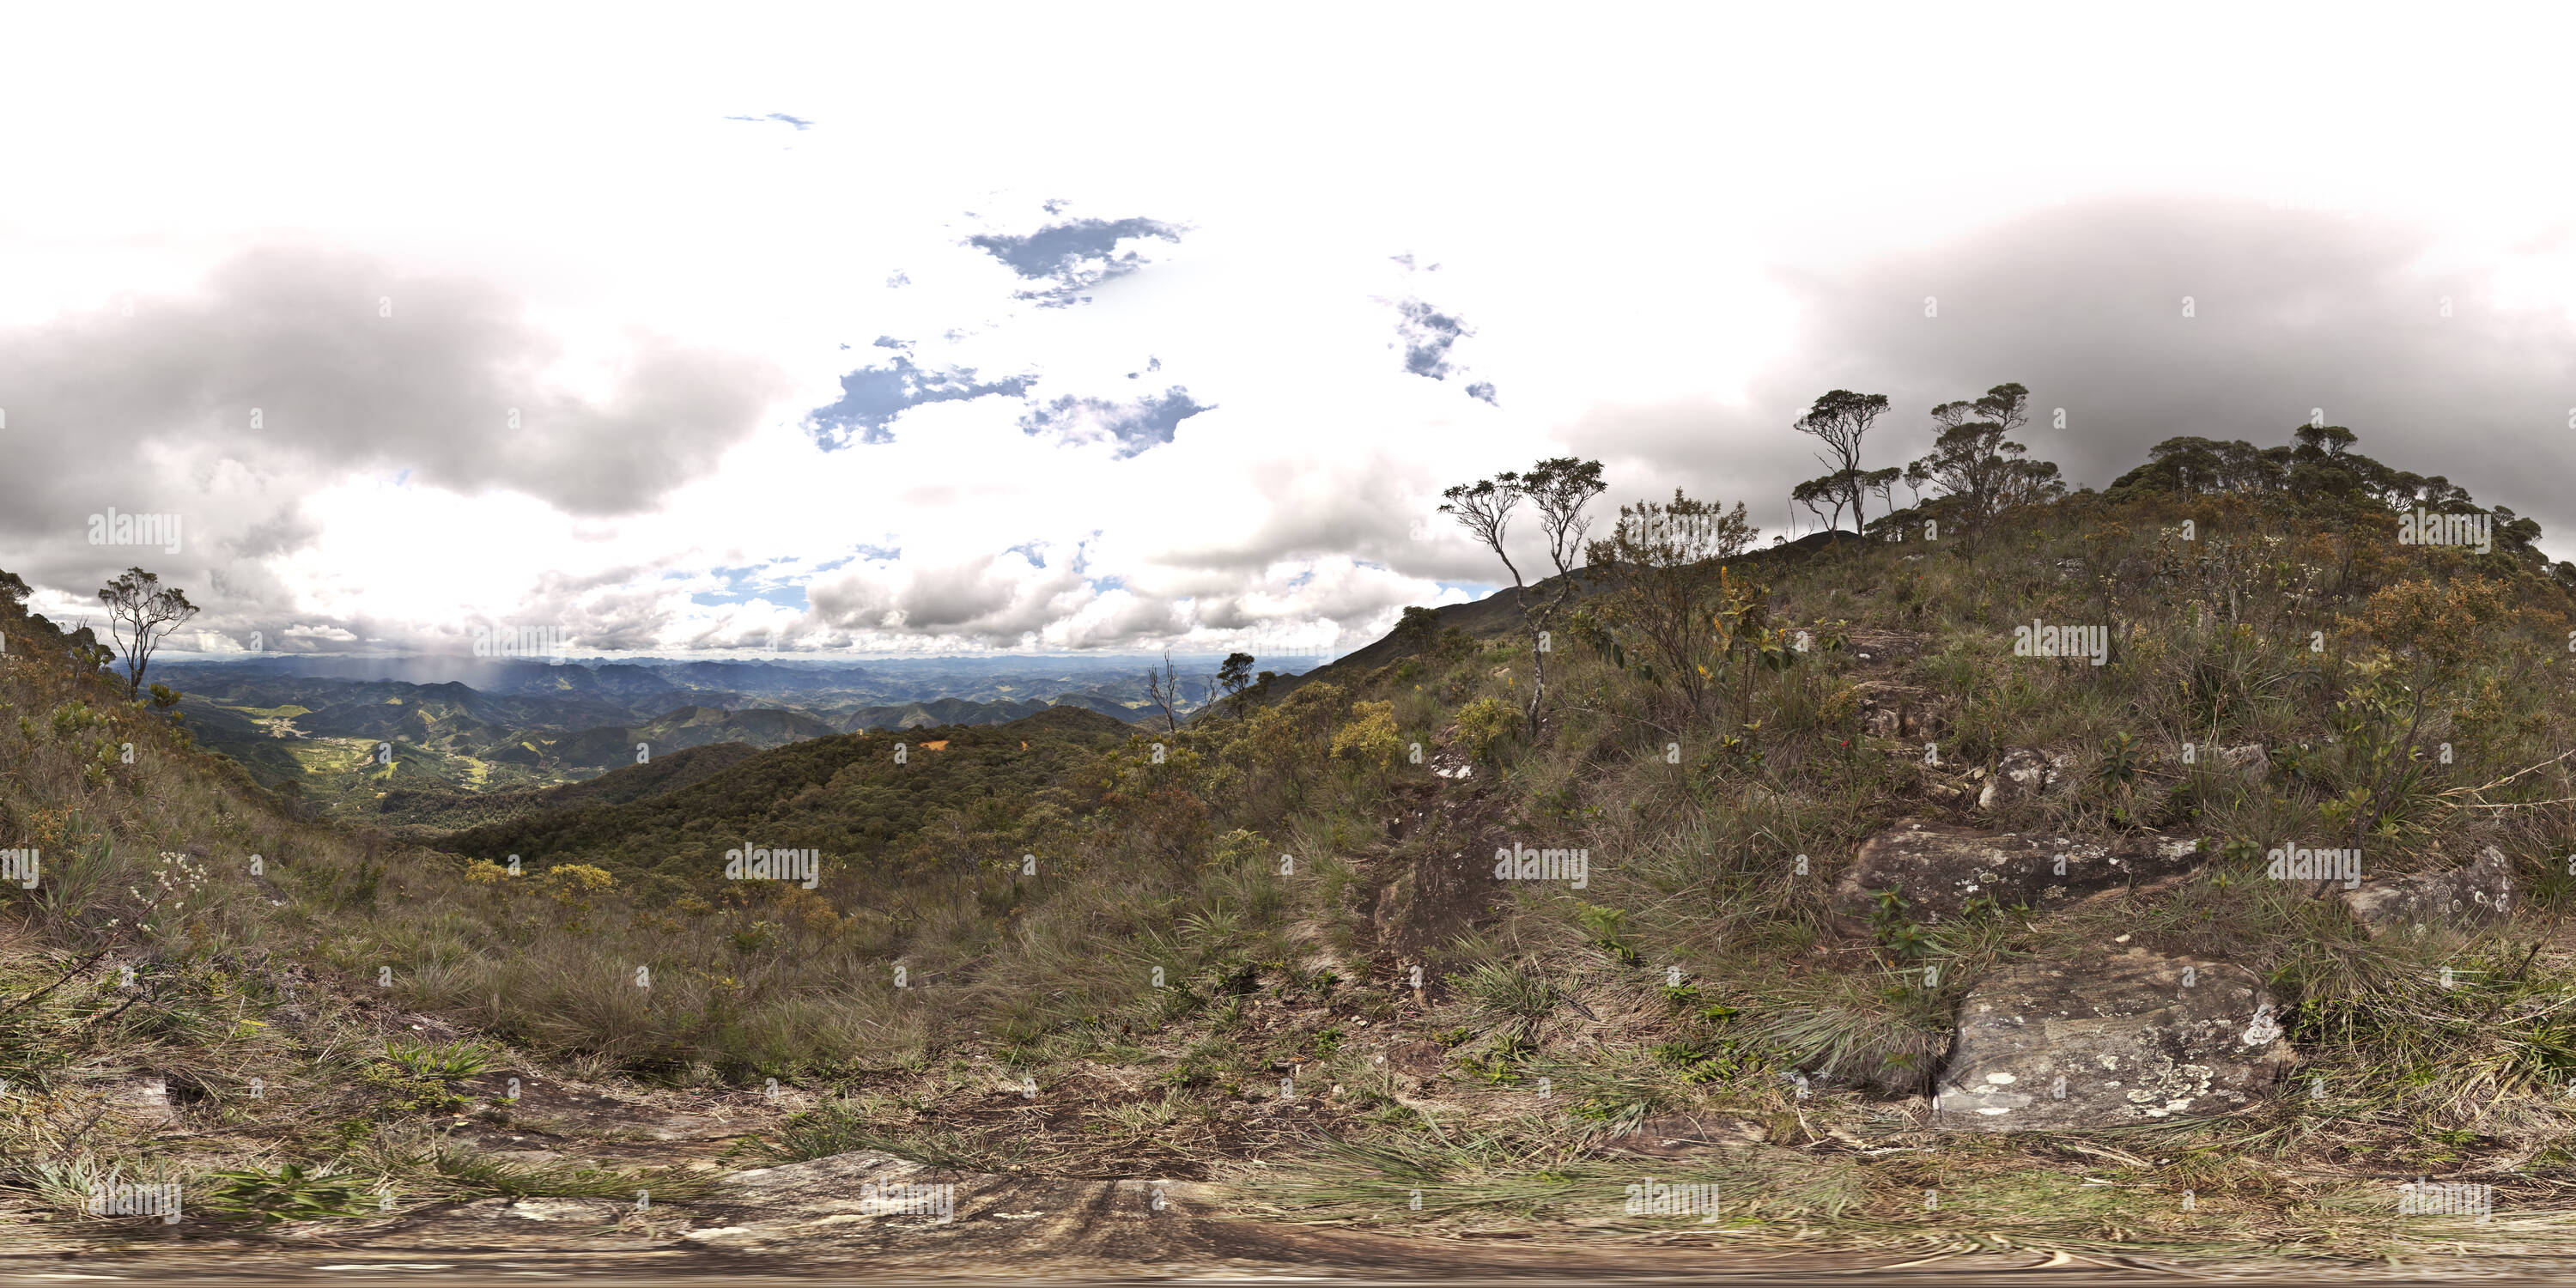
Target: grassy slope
[[1173, 861], [429, 813], [846, 795]]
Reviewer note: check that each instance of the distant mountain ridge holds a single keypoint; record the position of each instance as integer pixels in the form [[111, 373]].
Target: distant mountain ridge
[[690, 726], [352, 733], [939, 711]]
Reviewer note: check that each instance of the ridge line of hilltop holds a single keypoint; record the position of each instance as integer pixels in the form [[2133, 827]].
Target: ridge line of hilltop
[[1495, 616]]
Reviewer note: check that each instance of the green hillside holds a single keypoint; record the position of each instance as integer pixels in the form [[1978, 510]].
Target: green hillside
[[1816, 790], [448, 736], [425, 814], [989, 789]]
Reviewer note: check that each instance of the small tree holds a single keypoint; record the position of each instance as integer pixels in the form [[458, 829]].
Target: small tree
[[1819, 494], [1419, 629], [1974, 461], [141, 612], [1235, 676], [1664, 595], [1163, 687], [1839, 420], [1882, 482], [1561, 488], [1842, 488]]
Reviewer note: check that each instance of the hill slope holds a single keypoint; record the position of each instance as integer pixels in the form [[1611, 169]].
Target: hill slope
[[423, 815], [1757, 912], [846, 795]]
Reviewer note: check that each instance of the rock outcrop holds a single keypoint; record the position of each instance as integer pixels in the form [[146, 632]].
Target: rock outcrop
[[1892, 710], [2129, 1039], [2023, 775], [2473, 894], [1937, 869]]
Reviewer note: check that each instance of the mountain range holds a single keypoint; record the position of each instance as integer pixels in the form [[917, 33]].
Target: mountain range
[[376, 735]]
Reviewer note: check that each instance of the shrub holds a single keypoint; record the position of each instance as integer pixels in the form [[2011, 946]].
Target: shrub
[[2445, 627], [1484, 723], [1371, 736], [573, 885]]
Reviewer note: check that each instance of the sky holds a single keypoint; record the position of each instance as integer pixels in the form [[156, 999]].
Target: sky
[[847, 330]]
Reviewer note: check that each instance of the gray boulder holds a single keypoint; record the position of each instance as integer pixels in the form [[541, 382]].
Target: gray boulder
[[1937, 869], [2023, 775], [1892, 710], [2473, 894], [2128, 1039]]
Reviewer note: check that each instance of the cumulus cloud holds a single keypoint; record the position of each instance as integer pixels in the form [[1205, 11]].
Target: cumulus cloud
[[989, 598], [1045, 595], [300, 356], [2290, 311], [291, 367], [1333, 600]]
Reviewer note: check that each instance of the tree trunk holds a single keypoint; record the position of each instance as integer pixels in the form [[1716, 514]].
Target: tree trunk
[[1538, 656], [1538, 679]]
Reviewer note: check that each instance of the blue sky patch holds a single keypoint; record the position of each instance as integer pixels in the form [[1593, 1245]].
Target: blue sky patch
[[1075, 256], [872, 397], [1136, 426]]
